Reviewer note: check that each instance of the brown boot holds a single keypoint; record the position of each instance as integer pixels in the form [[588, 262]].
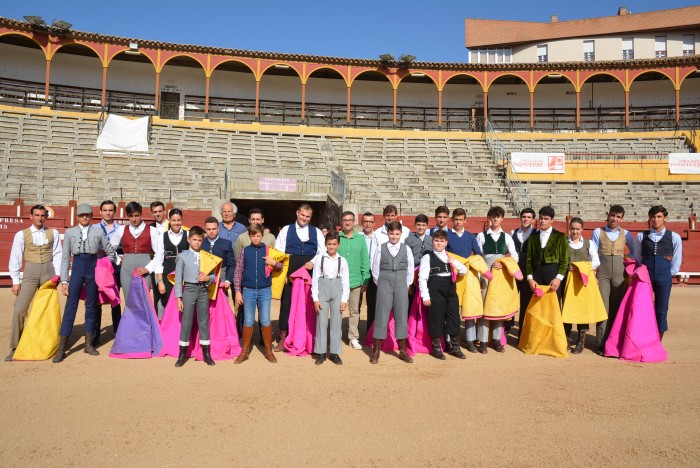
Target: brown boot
[[579, 344], [267, 338], [89, 348], [280, 344], [403, 355], [376, 348], [247, 336]]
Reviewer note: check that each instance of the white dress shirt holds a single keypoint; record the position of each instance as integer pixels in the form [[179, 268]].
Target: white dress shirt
[[115, 232], [330, 270], [303, 235], [424, 272], [156, 263], [381, 236], [176, 238], [544, 238], [393, 251], [510, 245], [522, 235], [162, 227], [38, 238], [592, 251]]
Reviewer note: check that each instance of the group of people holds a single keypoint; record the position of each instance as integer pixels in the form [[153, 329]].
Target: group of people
[[403, 277]]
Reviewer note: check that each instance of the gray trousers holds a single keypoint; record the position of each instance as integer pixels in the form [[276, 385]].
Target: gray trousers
[[611, 280], [354, 309], [35, 274], [392, 293], [129, 263], [330, 292], [194, 296]]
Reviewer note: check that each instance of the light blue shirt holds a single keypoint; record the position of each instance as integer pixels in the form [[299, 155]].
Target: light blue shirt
[[656, 237], [613, 236]]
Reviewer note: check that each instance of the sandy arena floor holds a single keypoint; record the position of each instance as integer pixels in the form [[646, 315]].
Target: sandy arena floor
[[499, 409]]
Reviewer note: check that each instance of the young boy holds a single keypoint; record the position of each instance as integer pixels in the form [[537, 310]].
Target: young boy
[[392, 271], [193, 294], [520, 237], [252, 282], [547, 255], [330, 290], [420, 241], [661, 251], [442, 214], [463, 243], [495, 244], [439, 294], [610, 242]]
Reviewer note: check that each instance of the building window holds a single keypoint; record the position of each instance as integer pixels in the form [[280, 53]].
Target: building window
[[588, 51], [500, 55], [688, 44], [627, 48], [542, 55], [660, 47]]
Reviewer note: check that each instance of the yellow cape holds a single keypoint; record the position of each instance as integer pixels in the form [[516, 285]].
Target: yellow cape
[[468, 287], [582, 304], [208, 264], [278, 276], [543, 330], [39, 339], [502, 296]]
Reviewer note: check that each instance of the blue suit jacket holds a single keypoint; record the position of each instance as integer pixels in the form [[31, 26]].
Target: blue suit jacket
[[224, 250]]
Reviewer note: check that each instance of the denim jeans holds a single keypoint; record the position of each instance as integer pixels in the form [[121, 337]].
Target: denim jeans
[[260, 298]]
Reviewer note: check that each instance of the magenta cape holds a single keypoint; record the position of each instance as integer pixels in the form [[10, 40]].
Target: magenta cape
[[634, 335], [108, 291], [222, 330], [302, 316], [138, 335], [419, 340]]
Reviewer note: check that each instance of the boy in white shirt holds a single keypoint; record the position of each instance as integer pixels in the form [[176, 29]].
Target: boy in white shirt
[[330, 291]]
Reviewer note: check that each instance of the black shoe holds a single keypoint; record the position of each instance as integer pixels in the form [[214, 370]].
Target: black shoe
[[206, 355], [335, 359], [9, 357], [436, 350], [456, 349], [471, 347], [182, 357], [483, 347], [321, 359]]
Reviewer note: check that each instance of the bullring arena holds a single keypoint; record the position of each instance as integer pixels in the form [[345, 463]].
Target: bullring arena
[[268, 130]]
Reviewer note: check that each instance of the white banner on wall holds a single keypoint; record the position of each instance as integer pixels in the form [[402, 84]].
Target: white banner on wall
[[120, 133], [684, 163], [538, 163]]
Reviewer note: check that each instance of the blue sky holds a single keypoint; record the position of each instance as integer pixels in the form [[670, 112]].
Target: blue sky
[[430, 30]]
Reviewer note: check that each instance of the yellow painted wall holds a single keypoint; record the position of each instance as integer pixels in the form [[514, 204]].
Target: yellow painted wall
[[648, 170]]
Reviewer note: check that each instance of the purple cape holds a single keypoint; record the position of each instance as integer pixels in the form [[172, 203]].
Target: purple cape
[[138, 335]]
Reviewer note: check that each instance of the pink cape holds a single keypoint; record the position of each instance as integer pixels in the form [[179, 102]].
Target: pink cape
[[419, 340], [302, 316], [108, 291], [222, 330], [138, 335], [634, 335]]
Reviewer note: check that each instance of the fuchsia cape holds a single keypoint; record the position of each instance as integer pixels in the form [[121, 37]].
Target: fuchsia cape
[[108, 291], [419, 340], [634, 335], [138, 335], [222, 330], [302, 316]]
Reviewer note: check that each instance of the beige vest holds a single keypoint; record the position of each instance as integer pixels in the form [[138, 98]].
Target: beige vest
[[608, 247], [38, 253]]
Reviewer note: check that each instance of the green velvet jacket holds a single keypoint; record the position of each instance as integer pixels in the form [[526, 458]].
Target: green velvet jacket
[[556, 251]]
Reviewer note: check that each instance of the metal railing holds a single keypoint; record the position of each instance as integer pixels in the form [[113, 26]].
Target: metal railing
[[517, 193]]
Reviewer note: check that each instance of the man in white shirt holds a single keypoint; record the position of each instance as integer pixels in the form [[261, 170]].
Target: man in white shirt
[[107, 210], [495, 244], [160, 217], [302, 242], [520, 237], [41, 250]]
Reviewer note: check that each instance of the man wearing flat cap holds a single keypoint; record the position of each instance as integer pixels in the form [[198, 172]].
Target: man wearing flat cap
[[82, 242]]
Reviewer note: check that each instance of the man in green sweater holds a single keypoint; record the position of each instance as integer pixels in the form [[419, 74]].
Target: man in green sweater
[[547, 255], [353, 249]]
